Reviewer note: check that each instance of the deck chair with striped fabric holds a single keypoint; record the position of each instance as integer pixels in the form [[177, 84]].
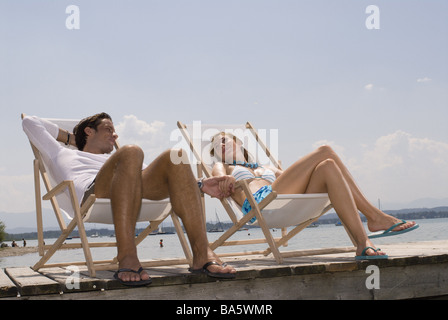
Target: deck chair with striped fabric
[[275, 211], [64, 201]]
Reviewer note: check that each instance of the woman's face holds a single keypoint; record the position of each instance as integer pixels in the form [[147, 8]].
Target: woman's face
[[226, 148]]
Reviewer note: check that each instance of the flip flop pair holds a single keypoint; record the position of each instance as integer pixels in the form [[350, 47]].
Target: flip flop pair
[[139, 283], [389, 231], [363, 255], [217, 275]]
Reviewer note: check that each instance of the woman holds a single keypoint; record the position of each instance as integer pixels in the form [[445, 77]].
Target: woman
[[321, 171]]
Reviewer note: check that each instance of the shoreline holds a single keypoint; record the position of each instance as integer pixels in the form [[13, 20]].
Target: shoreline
[[16, 251]]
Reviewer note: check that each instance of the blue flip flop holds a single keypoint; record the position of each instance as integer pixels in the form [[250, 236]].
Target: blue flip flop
[[389, 231], [363, 255]]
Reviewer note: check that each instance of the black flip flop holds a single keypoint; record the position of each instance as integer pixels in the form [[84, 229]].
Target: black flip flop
[[217, 275], [140, 283]]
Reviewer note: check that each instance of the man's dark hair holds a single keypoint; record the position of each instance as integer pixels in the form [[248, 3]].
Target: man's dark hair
[[91, 122]]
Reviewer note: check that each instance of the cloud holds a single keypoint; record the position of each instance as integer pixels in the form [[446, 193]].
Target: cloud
[[425, 79], [151, 137], [401, 167], [368, 86]]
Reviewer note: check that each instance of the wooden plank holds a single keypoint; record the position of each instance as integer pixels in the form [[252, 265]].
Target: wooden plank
[[7, 287], [72, 279], [408, 274], [30, 282], [412, 281], [416, 281]]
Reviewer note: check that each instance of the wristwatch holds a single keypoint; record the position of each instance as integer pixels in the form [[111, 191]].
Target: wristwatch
[[200, 184]]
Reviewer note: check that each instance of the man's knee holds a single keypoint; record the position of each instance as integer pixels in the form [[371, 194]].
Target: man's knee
[[131, 152]]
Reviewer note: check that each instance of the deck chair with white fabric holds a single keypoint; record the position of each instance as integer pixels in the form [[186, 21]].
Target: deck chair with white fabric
[[275, 211], [65, 204]]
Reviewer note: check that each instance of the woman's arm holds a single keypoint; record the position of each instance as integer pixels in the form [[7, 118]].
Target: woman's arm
[[226, 182], [219, 169], [214, 186]]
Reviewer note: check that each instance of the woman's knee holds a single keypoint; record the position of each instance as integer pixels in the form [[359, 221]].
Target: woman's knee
[[326, 150], [328, 165]]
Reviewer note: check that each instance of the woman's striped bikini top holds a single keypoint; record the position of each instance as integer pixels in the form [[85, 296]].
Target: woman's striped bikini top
[[242, 173]]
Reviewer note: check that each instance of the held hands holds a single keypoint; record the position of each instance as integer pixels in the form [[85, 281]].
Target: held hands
[[219, 187]]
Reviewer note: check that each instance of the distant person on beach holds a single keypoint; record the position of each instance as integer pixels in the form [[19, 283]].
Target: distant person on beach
[[24, 242], [161, 243], [14, 244], [122, 177], [321, 171]]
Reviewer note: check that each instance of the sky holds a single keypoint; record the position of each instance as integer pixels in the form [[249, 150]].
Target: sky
[[372, 83]]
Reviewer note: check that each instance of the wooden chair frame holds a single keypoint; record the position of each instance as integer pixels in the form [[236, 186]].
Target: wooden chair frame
[[80, 214], [274, 244]]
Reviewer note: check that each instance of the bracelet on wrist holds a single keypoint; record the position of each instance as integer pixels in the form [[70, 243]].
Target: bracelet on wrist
[[68, 139]]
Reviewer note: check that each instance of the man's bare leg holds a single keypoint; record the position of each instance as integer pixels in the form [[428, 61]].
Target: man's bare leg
[[162, 179], [120, 180]]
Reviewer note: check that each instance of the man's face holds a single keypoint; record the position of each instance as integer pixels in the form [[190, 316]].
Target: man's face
[[101, 140]]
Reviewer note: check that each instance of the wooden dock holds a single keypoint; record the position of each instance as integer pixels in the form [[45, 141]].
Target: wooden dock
[[414, 270]]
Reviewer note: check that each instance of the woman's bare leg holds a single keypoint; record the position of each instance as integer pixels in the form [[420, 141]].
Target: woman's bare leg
[[328, 178], [303, 168]]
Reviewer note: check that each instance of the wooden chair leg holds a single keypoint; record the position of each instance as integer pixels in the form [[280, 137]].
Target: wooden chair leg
[[182, 239]]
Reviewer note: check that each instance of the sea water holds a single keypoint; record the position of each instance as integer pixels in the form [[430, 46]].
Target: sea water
[[325, 235]]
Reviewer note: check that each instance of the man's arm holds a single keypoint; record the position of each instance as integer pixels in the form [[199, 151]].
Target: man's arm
[[219, 187], [66, 137], [44, 134]]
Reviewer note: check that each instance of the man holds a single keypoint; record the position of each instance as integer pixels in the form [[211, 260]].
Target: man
[[119, 177]]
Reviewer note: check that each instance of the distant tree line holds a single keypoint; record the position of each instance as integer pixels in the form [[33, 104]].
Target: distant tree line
[[3, 234], [331, 219], [52, 234], [413, 215]]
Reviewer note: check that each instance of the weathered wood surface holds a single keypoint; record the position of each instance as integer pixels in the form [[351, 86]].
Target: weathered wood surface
[[414, 270], [7, 287]]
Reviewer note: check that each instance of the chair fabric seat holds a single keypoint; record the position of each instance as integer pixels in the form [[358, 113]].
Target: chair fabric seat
[[101, 211], [289, 209]]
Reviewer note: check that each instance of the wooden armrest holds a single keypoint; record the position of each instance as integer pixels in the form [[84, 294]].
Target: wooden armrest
[[58, 189], [267, 200]]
